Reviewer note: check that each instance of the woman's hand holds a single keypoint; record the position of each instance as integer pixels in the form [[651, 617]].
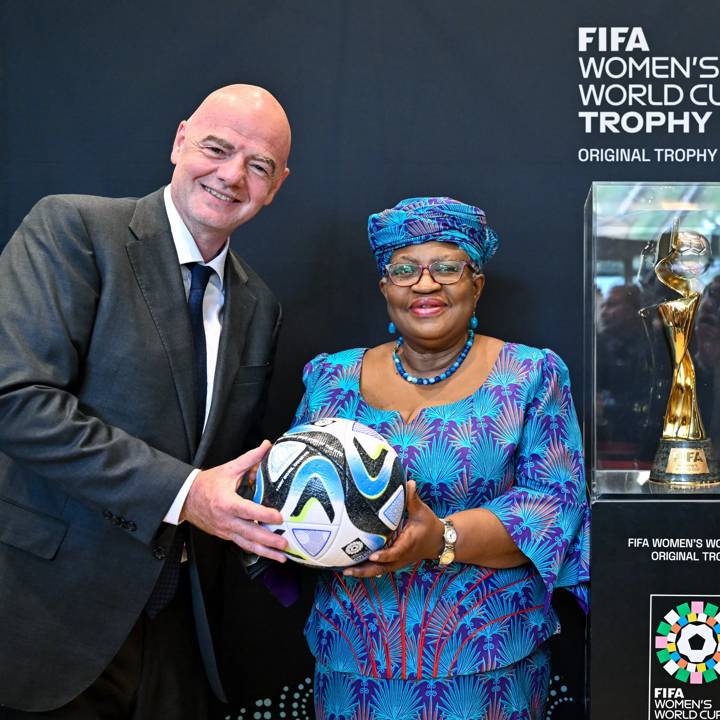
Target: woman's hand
[[421, 538]]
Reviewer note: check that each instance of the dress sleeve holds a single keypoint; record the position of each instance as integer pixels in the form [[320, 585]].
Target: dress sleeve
[[546, 510], [311, 374]]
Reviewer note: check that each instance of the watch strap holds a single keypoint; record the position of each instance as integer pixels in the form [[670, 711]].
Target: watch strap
[[447, 555]]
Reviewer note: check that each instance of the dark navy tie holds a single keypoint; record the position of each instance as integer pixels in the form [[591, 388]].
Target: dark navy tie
[[167, 583], [200, 276]]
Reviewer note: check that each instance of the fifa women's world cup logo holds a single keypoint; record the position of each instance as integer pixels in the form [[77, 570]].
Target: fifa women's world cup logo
[[686, 642], [684, 456]]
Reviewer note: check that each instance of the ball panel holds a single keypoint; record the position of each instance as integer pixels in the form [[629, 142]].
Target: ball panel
[[315, 482], [365, 430], [312, 540], [370, 464], [323, 443], [282, 455], [365, 512], [391, 512], [363, 515]]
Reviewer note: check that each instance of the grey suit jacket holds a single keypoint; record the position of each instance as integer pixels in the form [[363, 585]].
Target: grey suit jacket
[[97, 416]]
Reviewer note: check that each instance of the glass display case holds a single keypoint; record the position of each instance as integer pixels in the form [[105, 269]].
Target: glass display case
[[649, 247]]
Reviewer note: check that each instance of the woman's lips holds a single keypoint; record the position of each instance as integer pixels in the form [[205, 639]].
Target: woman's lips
[[427, 308]]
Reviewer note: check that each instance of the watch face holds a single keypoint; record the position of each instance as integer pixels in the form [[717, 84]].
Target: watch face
[[450, 535]]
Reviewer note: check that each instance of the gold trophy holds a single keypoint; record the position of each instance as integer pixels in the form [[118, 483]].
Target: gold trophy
[[685, 456]]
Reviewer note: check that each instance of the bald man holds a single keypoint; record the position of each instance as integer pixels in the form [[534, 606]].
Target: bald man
[[135, 352]]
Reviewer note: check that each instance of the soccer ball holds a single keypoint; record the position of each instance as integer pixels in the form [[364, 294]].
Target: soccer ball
[[697, 642], [340, 488]]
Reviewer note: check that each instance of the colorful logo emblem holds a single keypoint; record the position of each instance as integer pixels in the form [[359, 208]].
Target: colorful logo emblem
[[687, 643]]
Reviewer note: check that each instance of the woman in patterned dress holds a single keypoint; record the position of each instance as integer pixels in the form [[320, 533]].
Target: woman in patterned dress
[[429, 628]]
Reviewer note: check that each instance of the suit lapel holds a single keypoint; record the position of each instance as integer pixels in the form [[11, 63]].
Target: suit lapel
[[155, 263], [237, 315]]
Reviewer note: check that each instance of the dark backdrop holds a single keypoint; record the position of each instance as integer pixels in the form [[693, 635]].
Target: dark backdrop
[[392, 99]]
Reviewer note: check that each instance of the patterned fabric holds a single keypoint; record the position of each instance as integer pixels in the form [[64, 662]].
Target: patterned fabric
[[513, 447], [420, 220], [518, 692]]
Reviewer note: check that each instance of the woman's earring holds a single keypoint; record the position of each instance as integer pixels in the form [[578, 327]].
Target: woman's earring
[[391, 328], [473, 323]]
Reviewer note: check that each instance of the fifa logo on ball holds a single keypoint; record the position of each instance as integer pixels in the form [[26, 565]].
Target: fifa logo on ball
[[340, 488]]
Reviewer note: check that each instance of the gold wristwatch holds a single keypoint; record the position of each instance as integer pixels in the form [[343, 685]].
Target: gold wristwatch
[[450, 538]]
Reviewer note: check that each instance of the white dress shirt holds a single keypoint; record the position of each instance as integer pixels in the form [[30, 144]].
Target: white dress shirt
[[213, 302]]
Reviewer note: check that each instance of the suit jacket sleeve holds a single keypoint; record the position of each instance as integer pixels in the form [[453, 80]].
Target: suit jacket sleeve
[[256, 432], [50, 287]]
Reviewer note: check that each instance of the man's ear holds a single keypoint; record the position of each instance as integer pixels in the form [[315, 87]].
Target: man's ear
[[278, 183], [178, 142]]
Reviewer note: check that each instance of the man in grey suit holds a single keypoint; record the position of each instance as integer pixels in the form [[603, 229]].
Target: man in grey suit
[[135, 352]]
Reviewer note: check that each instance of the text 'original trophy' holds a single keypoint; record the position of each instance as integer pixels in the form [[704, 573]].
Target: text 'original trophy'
[[684, 456]]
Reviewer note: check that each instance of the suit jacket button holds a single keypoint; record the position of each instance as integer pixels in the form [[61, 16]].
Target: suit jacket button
[[159, 552], [130, 525]]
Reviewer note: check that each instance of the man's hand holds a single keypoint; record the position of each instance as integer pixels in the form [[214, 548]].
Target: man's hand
[[214, 506]]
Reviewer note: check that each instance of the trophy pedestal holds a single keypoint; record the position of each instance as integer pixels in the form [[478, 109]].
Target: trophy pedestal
[[654, 559], [686, 463]]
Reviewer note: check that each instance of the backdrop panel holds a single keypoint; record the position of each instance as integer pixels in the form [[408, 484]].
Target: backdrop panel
[[387, 100]]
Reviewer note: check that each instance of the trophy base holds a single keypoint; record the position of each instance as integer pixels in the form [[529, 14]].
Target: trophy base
[[686, 463]]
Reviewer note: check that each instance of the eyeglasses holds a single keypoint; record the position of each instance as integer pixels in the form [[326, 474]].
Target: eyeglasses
[[445, 272]]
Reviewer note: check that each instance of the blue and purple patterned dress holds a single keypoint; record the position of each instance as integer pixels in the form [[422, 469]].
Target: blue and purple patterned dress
[[463, 641]]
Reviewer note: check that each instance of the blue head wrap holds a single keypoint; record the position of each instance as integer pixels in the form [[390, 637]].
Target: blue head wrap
[[426, 219]]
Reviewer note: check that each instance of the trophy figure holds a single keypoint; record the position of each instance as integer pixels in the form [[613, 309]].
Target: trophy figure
[[684, 456]]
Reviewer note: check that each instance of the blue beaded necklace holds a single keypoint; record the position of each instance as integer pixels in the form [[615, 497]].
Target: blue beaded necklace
[[405, 375]]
